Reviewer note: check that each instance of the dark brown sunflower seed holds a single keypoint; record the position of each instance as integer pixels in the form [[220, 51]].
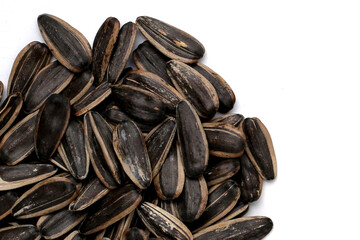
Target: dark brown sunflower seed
[[259, 148], [103, 46], [88, 195], [153, 83], [171, 41], [73, 150], [12, 177], [51, 79], [169, 182], [194, 87], [20, 232], [51, 125], [224, 140], [237, 229], [75, 235], [7, 201], [147, 58], [45, 197], [92, 99], [78, 87], [158, 143], [142, 105], [169, 206], [239, 210], [121, 52], [31, 59], [57, 224], [223, 90], [135, 234], [192, 140], [18, 142], [114, 206], [131, 150], [66, 43], [233, 119], [162, 223], [9, 111], [99, 142], [57, 161], [221, 171], [222, 199]]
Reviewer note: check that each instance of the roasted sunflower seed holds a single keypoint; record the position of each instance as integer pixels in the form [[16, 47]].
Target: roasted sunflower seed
[[135, 234], [238, 211], [75, 235], [20, 232], [7, 201], [221, 171], [57, 161], [233, 119], [9, 111], [78, 86]]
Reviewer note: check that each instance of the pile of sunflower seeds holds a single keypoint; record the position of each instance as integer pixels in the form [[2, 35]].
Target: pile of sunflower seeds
[[91, 149]]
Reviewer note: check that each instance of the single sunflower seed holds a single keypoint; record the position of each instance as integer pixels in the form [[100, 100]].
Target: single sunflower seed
[[20, 232], [233, 119], [78, 86], [221, 171]]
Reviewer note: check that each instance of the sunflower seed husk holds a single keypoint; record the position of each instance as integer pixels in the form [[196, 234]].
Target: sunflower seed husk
[[153, 83], [148, 58], [114, 206], [169, 182], [233, 119], [192, 140], [20, 232], [158, 143], [171, 41], [162, 224], [51, 124], [237, 229], [66, 43], [222, 199], [7, 201], [92, 99], [122, 225], [18, 142], [259, 148], [75, 235], [31, 59], [73, 150], [221, 171], [9, 111], [12, 177], [142, 105], [99, 141], [223, 90], [88, 195], [78, 86], [103, 46], [239, 210], [131, 150], [50, 80], [57, 161], [194, 87], [224, 140], [121, 52], [55, 192]]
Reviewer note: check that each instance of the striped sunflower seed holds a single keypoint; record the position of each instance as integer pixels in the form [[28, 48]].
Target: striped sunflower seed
[[122, 225], [171, 41], [31, 59], [66, 43], [7, 201], [78, 86], [51, 124], [239, 210], [221, 171], [20, 232], [9, 110], [169, 206], [233, 119], [136, 234], [75, 235]]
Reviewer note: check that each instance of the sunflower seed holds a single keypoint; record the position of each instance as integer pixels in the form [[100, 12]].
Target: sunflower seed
[[20, 232], [233, 119], [75, 235], [194, 87], [122, 225], [12, 177], [103, 46], [18, 142], [45, 197], [135, 234], [260, 148], [221, 171], [114, 206], [7, 201], [169, 182], [31, 59], [169, 206], [171, 41], [192, 139], [9, 111], [131, 150], [78, 86], [142, 105], [73, 150], [237, 229], [51, 79], [66, 43], [51, 125], [162, 224], [121, 52], [239, 210]]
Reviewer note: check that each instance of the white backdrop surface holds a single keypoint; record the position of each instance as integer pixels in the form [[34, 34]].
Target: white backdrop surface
[[293, 64]]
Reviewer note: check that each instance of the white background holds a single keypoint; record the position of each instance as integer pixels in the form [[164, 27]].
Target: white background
[[293, 64]]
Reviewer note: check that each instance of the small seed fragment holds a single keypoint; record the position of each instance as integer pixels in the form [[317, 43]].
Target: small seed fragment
[[9, 110], [78, 86], [7, 201], [20, 232]]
